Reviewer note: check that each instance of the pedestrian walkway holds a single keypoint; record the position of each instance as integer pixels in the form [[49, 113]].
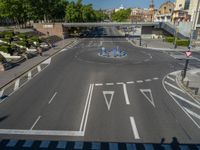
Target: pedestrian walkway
[[9, 75]]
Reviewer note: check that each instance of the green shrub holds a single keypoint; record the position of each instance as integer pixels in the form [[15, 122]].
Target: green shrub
[[4, 48], [169, 39], [182, 42], [34, 39], [8, 34], [22, 36], [22, 43]]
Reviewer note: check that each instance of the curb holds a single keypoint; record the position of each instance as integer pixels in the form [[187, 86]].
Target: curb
[[22, 74], [187, 90]]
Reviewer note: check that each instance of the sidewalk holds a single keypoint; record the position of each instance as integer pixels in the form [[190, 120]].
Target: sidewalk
[[9, 75], [159, 44]]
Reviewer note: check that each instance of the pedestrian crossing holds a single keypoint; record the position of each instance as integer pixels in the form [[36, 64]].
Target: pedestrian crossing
[[81, 145], [187, 104]]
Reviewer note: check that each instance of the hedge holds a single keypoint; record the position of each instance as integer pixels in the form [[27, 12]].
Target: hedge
[[169, 39], [4, 48], [179, 42]]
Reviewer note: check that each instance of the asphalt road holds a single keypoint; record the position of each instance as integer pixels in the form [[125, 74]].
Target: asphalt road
[[84, 97]]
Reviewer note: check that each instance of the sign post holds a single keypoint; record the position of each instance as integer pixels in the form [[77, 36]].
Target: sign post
[[188, 54]]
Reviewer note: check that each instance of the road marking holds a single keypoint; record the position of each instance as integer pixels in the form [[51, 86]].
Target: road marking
[[1, 93], [109, 83], [98, 84], [29, 75], [173, 86], [192, 113], [148, 147], [148, 80], [44, 144], [185, 100], [86, 119], [147, 92], [130, 82], [96, 146], [53, 97], [155, 78], [16, 85], [139, 81], [86, 109], [134, 128], [108, 102], [170, 78], [78, 145], [131, 147], [113, 146], [41, 132], [11, 143], [39, 68], [125, 92], [48, 61], [61, 145], [35, 122], [28, 143]]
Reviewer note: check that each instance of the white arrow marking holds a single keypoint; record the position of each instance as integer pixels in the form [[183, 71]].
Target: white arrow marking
[[108, 102], [147, 92]]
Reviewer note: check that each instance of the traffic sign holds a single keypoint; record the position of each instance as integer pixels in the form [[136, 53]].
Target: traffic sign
[[188, 53]]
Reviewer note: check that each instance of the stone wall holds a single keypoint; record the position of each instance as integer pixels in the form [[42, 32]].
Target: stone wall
[[50, 29]]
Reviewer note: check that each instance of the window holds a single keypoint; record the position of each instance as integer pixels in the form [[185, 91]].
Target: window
[[187, 4]]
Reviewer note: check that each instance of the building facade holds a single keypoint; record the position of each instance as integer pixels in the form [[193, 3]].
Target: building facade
[[164, 13]]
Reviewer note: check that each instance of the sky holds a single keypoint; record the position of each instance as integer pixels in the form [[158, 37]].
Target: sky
[[107, 4]]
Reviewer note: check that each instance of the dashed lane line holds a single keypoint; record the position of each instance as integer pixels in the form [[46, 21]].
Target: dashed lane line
[[98, 84], [134, 128], [109, 83], [35, 122], [53, 97], [130, 82], [139, 81], [148, 80]]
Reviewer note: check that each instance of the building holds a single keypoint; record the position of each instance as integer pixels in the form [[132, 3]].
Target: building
[[139, 15], [164, 13]]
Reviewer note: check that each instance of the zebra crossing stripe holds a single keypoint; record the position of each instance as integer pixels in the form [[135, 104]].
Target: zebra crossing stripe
[[184, 147], [131, 147], [1, 93], [148, 147], [16, 85], [28, 143], [113, 146], [39, 68], [61, 145], [44, 144], [78, 145], [96, 146], [11, 143]]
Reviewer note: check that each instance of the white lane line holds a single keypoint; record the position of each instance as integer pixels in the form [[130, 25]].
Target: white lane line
[[53, 97], [29, 75], [192, 113], [98, 84], [16, 85], [173, 86], [155, 78], [126, 94], [109, 83], [134, 128], [85, 109], [185, 100], [130, 82], [170, 78], [120, 83], [139, 81], [39, 68], [41, 132], [35, 122], [87, 114], [1, 93], [148, 80]]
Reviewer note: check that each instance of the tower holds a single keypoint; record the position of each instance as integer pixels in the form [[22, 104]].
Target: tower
[[151, 11], [151, 5]]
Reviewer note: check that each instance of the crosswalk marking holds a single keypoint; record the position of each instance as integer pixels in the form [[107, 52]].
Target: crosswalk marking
[[148, 147], [44, 144], [113, 146], [61, 145], [39, 68], [28, 143], [131, 147], [184, 147], [96, 146], [1, 93], [16, 85], [29, 75], [11, 143], [78, 145]]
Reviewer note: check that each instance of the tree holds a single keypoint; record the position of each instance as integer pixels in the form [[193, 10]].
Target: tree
[[121, 15]]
